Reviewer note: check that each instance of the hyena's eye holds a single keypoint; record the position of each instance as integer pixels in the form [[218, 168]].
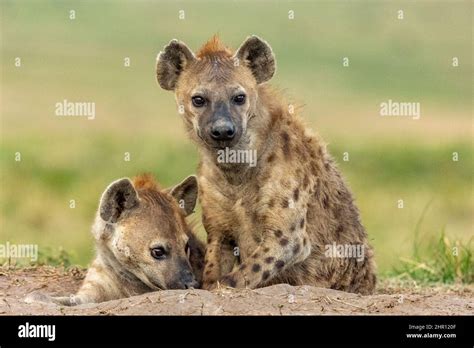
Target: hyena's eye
[[198, 101], [158, 253], [239, 99]]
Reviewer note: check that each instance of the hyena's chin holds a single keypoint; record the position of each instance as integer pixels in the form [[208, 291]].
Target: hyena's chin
[[155, 285]]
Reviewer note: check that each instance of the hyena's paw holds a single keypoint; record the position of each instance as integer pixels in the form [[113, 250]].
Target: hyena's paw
[[38, 297], [209, 286], [44, 298]]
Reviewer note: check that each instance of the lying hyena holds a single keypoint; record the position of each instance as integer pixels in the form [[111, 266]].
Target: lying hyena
[[143, 243], [287, 217]]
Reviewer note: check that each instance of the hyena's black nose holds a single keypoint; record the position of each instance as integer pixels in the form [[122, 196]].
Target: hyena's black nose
[[223, 129], [188, 280], [194, 284]]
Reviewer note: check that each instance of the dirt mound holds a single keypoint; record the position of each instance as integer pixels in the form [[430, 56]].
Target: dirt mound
[[281, 299]]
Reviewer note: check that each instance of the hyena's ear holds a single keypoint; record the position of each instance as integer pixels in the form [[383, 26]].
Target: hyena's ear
[[171, 62], [258, 56], [186, 194], [118, 197]]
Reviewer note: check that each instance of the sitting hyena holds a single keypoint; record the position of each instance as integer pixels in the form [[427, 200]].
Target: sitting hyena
[[290, 218], [143, 243]]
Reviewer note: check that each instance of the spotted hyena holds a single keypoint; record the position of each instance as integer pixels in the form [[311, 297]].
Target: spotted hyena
[[289, 217], [143, 242]]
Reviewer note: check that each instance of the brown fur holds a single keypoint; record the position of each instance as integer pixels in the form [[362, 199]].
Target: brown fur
[[212, 48], [284, 212], [145, 181]]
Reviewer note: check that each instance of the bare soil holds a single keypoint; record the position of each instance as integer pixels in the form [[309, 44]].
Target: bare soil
[[392, 297]]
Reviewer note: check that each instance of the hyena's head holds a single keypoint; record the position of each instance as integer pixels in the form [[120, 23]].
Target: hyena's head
[[216, 89], [143, 230]]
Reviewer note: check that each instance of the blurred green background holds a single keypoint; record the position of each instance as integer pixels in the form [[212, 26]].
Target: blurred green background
[[390, 158]]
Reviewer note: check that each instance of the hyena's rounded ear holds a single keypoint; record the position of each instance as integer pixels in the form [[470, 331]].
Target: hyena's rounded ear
[[258, 56], [186, 194], [171, 62], [118, 197]]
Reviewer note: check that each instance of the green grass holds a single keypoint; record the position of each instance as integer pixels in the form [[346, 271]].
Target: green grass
[[446, 261], [440, 260]]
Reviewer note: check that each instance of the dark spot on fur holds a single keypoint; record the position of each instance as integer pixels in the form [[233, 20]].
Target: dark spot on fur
[[230, 281], [210, 265], [278, 233], [266, 250], [265, 275], [208, 271], [269, 259], [231, 242], [271, 203], [243, 266], [293, 228], [256, 268], [296, 249], [271, 158], [284, 242], [254, 217], [305, 241], [302, 223], [326, 165], [339, 230], [285, 203], [296, 194], [286, 144], [255, 256], [279, 264]]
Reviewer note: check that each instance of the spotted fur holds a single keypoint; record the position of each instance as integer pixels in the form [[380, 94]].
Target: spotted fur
[[271, 223]]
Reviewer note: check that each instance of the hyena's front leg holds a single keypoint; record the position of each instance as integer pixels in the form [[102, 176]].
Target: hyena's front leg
[[212, 260], [219, 260], [71, 300], [285, 243]]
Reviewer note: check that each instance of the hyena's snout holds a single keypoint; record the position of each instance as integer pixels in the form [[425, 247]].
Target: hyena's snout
[[184, 277], [222, 128]]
